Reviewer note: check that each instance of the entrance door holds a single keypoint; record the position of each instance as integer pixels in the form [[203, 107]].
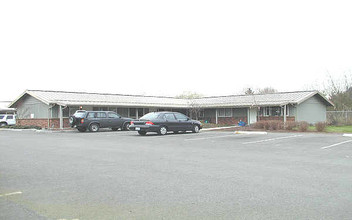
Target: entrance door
[[253, 113]]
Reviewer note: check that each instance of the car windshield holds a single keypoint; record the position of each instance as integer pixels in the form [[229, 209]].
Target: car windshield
[[150, 116], [79, 114]]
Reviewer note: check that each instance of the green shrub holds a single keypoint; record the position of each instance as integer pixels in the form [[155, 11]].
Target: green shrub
[[303, 126], [320, 126]]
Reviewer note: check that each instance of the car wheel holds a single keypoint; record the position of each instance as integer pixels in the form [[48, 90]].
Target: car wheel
[[94, 127], [114, 129], [126, 126], [142, 133], [3, 124], [81, 129], [195, 129], [162, 130]]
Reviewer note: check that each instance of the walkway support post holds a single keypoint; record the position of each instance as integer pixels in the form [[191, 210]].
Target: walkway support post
[[216, 116], [61, 117]]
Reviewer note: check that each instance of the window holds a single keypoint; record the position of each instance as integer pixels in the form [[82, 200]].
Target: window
[[91, 115], [9, 117], [101, 115], [273, 111], [80, 114], [151, 116], [140, 112], [201, 113], [276, 111], [170, 117], [181, 117], [100, 108], [225, 112], [133, 112], [113, 115], [2, 116], [112, 109]]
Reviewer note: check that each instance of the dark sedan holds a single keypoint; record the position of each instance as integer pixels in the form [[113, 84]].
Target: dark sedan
[[162, 122]]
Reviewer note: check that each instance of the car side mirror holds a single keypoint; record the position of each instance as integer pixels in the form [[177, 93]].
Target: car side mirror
[[188, 119]]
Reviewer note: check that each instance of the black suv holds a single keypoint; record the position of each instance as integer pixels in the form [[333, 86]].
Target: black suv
[[93, 120]]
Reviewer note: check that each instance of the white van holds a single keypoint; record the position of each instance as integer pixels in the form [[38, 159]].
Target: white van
[[7, 120]]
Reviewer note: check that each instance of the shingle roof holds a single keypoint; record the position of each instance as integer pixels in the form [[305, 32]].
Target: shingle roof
[[104, 99], [273, 99]]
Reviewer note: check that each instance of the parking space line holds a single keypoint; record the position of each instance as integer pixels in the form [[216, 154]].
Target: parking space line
[[337, 144], [10, 194], [205, 138], [272, 139]]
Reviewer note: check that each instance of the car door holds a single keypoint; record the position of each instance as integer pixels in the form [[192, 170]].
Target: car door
[[170, 121], [11, 120], [183, 122], [115, 120], [103, 119]]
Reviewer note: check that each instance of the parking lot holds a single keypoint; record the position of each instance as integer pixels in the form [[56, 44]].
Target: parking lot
[[210, 175]]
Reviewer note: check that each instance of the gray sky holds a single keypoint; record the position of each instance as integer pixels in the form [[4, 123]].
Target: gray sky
[[167, 47]]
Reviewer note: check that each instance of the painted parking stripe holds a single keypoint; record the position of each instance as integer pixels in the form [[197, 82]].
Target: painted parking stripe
[[272, 139], [11, 194], [206, 138], [334, 145]]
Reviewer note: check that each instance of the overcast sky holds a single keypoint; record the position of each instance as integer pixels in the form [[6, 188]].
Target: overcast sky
[[167, 47]]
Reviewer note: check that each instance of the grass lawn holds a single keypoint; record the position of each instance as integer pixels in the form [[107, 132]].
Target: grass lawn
[[335, 129], [339, 129]]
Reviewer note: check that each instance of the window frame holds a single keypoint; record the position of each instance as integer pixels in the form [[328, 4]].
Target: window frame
[[225, 111], [104, 113]]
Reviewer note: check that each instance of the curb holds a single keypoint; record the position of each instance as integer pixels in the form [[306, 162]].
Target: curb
[[10, 129], [251, 132], [347, 135], [35, 130]]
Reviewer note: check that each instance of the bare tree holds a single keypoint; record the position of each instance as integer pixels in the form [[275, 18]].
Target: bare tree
[[339, 90], [248, 91], [193, 105], [266, 90]]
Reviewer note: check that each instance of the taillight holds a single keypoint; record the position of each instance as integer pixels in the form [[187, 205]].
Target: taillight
[[132, 123], [149, 123], [82, 121]]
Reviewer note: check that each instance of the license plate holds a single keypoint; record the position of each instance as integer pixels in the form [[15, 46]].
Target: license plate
[[138, 128]]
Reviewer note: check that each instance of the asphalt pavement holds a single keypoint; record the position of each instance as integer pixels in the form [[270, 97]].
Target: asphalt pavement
[[210, 175]]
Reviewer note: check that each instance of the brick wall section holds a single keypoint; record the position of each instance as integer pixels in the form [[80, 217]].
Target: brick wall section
[[276, 118], [43, 123]]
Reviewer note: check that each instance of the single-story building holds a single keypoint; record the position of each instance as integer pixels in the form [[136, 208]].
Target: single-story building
[[52, 108]]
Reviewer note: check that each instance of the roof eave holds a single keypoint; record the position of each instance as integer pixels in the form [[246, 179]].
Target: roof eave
[[11, 105], [313, 94]]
